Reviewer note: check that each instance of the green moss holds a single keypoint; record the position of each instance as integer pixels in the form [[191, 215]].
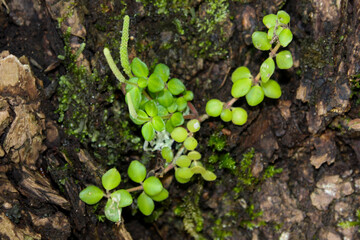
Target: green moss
[[219, 232], [252, 222], [88, 110], [190, 211], [217, 141], [348, 224]]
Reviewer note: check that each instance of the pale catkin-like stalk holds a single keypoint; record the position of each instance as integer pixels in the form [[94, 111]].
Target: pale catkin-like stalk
[[113, 66], [124, 57]]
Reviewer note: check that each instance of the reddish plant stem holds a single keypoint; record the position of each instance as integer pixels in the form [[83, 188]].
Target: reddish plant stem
[[138, 188]]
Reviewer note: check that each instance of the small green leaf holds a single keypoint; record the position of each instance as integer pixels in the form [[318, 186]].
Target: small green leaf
[[240, 73], [283, 17], [189, 95], [177, 119], [173, 107], [241, 87], [254, 96], [261, 41], [226, 115], [214, 107], [285, 37], [111, 179], [155, 83], [179, 134], [168, 126], [163, 71], [152, 186], [113, 211], [136, 171], [239, 116], [180, 179], [183, 161], [165, 98], [208, 176], [128, 87], [284, 59], [194, 155], [176, 86], [162, 111], [190, 143], [271, 89], [148, 131], [91, 195], [182, 103], [193, 125], [184, 172], [123, 198], [139, 68], [151, 108], [197, 167], [167, 154], [145, 204], [164, 194], [270, 20], [267, 69], [158, 123], [142, 82]]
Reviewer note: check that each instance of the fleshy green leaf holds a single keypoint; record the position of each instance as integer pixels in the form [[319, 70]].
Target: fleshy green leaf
[[155, 83], [152, 186], [240, 73], [180, 179], [179, 134], [176, 86], [183, 161], [271, 89], [194, 155], [111, 179], [123, 198], [167, 154], [91, 195], [113, 211], [261, 41], [158, 123], [148, 131], [254, 96], [193, 125], [239, 116], [270, 20], [165, 98], [208, 176], [151, 108], [283, 17], [189, 95], [184, 172], [177, 119], [163, 71], [226, 115], [267, 69], [139, 68], [241, 87], [145, 204], [285, 37], [182, 103], [136, 171], [164, 194], [284, 59], [214, 107], [190, 143], [142, 117]]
